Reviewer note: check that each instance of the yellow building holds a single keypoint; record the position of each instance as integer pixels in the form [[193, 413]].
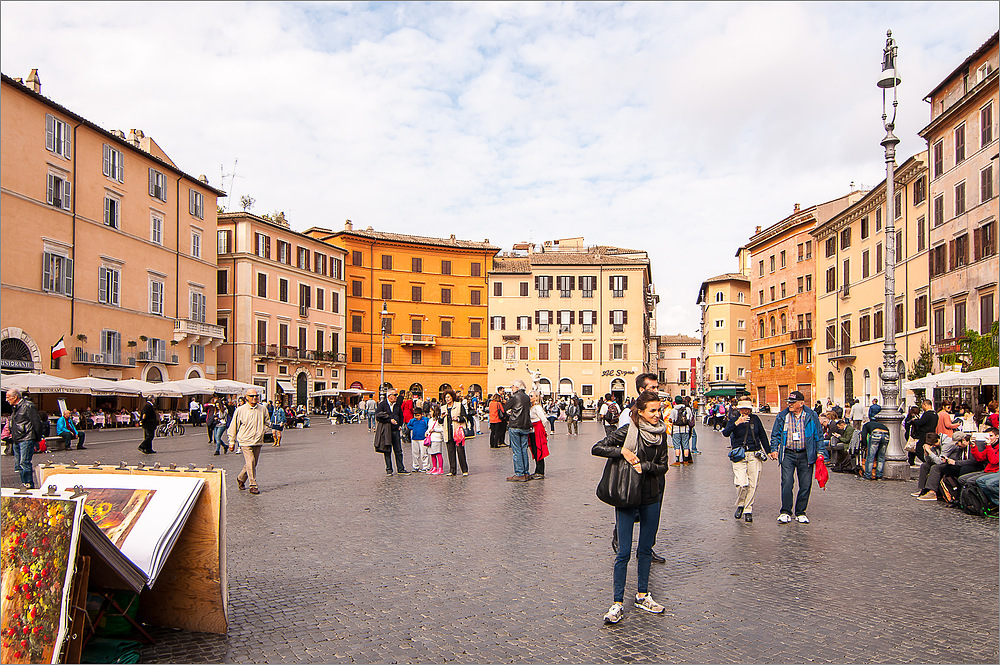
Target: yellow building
[[677, 364], [282, 299], [581, 316], [962, 140], [107, 245], [850, 298], [725, 333], [434, 293]]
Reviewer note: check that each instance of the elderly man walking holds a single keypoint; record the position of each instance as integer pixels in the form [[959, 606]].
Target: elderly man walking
[[519, 428], [389, 418], [246, 432], [25, 432], [797, 442]]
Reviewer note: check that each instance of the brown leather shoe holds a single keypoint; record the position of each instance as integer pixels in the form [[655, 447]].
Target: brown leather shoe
[[515, 479]]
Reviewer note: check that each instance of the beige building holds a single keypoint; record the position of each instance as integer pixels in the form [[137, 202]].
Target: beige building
[[725, 335], [281, 298], [677, 364], [850, 298], [107, 245], [963, 232], [581, 316]]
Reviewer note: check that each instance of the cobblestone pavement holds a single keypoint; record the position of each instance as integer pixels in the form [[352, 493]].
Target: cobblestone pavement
[[336, 562]]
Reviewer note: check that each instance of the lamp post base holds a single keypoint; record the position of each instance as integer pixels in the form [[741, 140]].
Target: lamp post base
[[895, 470]]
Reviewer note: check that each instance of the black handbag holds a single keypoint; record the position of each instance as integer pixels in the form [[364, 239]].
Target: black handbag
[[621, 485], [739, 453]]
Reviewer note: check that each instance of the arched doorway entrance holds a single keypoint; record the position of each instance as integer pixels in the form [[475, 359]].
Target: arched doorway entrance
[[441, 389], [16, 356], [848, 386], [545, 387], [301, 388], [565, 387], [475, 389], [618, 391], [416, 390]]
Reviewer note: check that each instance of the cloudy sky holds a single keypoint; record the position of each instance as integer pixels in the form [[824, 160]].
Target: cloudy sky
[[672, 127]]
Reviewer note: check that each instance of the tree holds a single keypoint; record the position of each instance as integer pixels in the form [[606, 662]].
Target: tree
[[923, 364], [980, 351], [247, 202]]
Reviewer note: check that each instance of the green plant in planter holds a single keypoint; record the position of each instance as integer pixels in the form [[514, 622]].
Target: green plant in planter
[[82, 337], [143, 338]]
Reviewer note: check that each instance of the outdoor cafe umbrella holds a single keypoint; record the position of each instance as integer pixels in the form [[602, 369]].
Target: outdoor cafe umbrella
[[98, 386], [42, 383], [989, 376]]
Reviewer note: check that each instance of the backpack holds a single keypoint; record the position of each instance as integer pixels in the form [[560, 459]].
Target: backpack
[[46, 428], [949, 489], [683, 418], [611, 417], [972, 501]]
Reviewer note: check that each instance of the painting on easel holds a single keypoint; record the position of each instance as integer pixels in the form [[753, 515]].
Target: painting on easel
[[38, 543]]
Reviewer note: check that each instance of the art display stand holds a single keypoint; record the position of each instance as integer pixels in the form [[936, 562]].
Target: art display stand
[[191, 591]]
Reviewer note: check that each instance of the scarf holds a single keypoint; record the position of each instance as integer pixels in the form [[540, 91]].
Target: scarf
[[651, 435]]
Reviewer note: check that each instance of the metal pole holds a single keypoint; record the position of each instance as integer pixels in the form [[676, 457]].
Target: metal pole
[[896, 466], [381, 383]]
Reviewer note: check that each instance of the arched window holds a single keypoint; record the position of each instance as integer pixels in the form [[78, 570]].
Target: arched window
[[741, 297], [719, 296], [762, 331], [829, 385], [417, 389], [774, 328], [868, 386], [544, 386], [565, 387], [784, 324]]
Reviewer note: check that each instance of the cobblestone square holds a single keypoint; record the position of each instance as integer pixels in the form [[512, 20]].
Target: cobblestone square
[[336, 562]]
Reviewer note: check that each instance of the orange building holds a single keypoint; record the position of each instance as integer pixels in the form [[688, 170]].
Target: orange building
[[783, 303], [107, 245], [434, 293], [282, 300]]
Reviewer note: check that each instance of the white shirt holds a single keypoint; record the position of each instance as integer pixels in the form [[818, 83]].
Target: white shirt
[[858, 411]]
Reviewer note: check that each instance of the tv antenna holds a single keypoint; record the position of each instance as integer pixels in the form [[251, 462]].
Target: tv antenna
[[232, 182]]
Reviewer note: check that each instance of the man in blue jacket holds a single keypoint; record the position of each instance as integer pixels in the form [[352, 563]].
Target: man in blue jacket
[[797, 442]]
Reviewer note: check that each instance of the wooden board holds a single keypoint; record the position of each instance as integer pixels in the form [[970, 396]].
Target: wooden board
[[191, 591], [78, 612]]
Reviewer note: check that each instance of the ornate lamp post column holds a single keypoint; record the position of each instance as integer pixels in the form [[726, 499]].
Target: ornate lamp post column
[[896, 466], [381, 385]]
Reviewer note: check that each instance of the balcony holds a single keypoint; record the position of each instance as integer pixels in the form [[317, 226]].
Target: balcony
[[802, 335], [265, 351], [416, 339], [101, 358], [195, 332], [157, 357]]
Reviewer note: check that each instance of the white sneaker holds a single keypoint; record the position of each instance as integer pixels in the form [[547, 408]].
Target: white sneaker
[[647, 603], [802, 519], [784, 518], [615, 614]]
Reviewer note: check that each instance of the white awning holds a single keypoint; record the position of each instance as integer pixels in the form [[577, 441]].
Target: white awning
[[286, 387]]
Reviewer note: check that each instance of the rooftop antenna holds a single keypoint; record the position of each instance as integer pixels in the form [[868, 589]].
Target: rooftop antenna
[[232, 182]]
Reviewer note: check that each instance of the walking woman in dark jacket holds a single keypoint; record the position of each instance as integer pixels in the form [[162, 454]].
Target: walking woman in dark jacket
[[643, 444], [745, 429]]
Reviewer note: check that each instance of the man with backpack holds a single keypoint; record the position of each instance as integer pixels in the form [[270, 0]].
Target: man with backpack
[[609, 414], [874, 439], [681, 417]]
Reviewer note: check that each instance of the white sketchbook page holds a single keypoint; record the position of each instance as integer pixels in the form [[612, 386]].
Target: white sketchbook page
[[173, 498]]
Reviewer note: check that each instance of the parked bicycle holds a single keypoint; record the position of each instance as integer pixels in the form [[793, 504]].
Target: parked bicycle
[[170, 428]]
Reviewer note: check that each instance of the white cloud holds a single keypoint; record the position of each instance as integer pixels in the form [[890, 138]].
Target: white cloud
[[674, 127]]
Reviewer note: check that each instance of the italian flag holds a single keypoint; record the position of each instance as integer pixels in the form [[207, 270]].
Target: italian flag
[[59, 349]]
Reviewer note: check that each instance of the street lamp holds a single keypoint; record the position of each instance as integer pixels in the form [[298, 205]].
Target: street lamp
[[381, 386], [559, 335], [896, 467]]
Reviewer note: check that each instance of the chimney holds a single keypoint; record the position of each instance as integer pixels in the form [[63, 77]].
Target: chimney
[[203, 179], [134, 136], [119, 133], [452, 237], [34, 82], [348, 226], [797, 207], [757, 230]]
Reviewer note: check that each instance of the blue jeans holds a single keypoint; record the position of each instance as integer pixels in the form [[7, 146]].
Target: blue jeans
[[649, 522], [795, 463], [23, 451], [694, 440], [519, 449], [371, 420], [875, 450], [990, 485], [682, 441], [217, 436]]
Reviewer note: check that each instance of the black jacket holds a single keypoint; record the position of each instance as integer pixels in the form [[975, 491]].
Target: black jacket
[[149, 419], [25, 423], [924, 425], [756, 439], [385, 412], [653, 459], [518, 409]]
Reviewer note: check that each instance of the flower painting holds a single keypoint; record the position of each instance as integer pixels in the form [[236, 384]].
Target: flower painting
[[115, 510], [37, 559]]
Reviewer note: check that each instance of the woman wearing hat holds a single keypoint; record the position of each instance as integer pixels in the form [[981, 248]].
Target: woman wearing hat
[[746, 430]]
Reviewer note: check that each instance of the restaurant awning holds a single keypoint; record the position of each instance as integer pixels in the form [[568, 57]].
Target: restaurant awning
[[286, 387], [726, 392]]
